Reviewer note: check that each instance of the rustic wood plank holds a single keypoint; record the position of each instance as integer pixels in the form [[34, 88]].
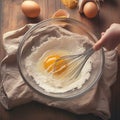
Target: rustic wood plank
[[13, 18], [1, 46]]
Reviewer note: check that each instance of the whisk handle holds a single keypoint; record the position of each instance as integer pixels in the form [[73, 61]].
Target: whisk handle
[[90, 51]]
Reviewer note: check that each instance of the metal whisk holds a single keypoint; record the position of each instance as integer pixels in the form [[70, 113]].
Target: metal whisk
[[75, 64]]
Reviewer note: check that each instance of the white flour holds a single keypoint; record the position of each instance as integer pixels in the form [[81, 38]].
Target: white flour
[[72, 45]]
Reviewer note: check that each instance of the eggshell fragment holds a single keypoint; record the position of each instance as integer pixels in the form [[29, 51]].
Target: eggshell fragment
[[30, 8], [70, 3], [61, 13]]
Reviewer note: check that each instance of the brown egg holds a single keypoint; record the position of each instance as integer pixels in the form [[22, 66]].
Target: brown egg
[[30, 8], [90, 9]]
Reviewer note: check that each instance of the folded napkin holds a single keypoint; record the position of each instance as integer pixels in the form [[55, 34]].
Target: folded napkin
[[14, 91]]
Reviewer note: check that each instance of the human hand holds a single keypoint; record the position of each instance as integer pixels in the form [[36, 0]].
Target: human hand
[[110, 38]]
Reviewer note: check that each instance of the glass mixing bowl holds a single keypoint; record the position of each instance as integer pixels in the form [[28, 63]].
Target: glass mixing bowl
[[32, 39]]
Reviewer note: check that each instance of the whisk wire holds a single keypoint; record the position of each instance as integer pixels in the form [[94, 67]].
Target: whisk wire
[[82, 63], [75, 64], [81, 60]]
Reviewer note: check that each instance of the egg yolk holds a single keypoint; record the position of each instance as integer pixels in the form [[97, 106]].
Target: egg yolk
[[50, 64]]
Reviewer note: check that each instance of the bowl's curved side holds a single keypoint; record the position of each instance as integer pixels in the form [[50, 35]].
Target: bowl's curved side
[[27, 44]]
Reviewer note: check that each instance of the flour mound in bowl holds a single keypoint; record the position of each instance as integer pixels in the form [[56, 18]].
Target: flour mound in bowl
[[67, 43]]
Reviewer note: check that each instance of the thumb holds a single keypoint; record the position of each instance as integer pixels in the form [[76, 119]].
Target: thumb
[[98, 44]]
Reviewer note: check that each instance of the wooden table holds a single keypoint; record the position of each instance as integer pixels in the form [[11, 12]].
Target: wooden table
[[11, 17]]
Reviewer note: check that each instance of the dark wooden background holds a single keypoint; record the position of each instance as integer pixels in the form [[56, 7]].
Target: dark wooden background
[[11, 18]]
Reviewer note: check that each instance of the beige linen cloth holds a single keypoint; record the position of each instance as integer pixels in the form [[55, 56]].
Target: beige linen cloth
[[14, 91]]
